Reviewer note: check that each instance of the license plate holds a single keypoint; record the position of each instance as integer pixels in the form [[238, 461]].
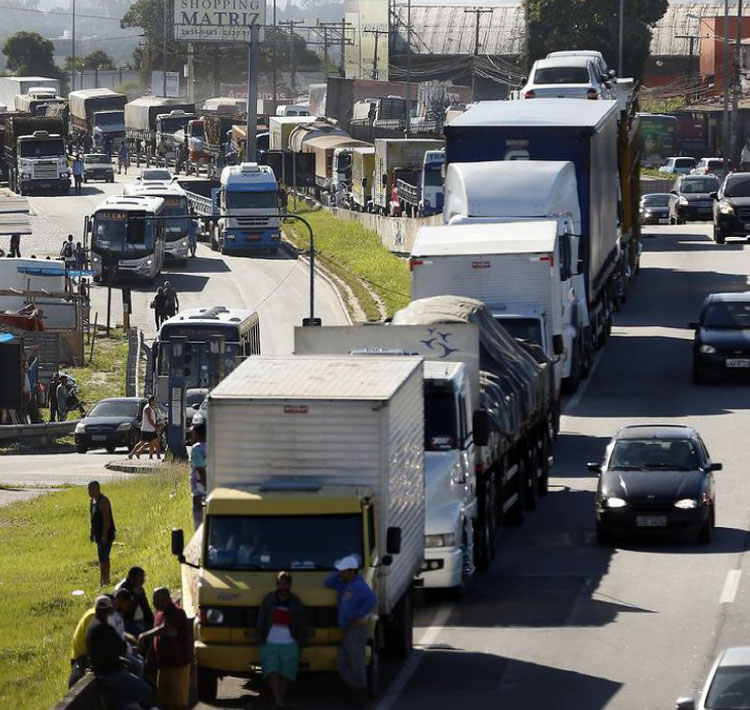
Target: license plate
[[738, 362], [98, 437], [663, 221], [651, 521]]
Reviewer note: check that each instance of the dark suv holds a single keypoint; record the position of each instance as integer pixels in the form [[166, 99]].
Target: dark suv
[[692, 198], [732, 208]]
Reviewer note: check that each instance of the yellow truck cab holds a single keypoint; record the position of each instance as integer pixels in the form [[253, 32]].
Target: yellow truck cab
[[310, 459]]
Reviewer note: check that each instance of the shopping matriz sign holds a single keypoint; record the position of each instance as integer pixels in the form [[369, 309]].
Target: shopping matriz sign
[[218, 20]]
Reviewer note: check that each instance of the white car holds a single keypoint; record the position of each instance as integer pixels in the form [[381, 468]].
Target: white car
[[565, 78], [728, 683], [678, 165], [709, 165], [155, 175], [595, 56]]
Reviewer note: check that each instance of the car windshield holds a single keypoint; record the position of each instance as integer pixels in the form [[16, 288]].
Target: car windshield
[[282, 542], [251, 200], [115, 408], [156, 175], [656, 200], [194, 398], [562, 75], [96, 159], [727, 314], [739, 187], [529, 329], [730, 689], [654, 454], [440, 432], [700, 186], [172, 125]]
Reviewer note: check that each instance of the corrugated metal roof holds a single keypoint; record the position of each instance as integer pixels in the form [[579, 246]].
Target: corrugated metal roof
[[684, 19]]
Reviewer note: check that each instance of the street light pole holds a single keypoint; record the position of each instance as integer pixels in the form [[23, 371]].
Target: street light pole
[[620, 38], [725, 125], [73, 51], [736, 89], [164, 51]]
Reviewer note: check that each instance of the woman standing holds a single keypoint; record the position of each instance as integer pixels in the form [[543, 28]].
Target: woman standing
[[149, 435]]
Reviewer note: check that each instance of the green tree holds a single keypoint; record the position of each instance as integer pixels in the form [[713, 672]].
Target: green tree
[[98, 59], [594, 24], [148, 15], [28, 53]]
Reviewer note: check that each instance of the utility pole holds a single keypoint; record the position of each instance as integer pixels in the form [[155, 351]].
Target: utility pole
[[273, 63], [164, 51], [691, 72], [620, 38], [736, 89], [73, 51], [725, 124], [292, 74], [191, 74], [408, 68], [342, 71], [251, 153], [377, 31], [478, 11]]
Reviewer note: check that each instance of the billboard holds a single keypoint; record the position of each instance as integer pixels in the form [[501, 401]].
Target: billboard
[[217, 20], [367, 56], [173, 84]]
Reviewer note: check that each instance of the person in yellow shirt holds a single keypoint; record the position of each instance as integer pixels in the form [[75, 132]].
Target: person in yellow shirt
[[79, 658]]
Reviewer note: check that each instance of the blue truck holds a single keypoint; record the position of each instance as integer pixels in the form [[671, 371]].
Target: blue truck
[[582, 132]]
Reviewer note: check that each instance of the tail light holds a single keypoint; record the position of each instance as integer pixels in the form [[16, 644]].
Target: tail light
[[592, 94], [414, 262], [530, 94]]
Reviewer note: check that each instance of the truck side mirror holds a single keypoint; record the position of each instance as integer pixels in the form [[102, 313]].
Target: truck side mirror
[[481, 427], [685, 704], [364, 182], [393, 541], [178, 542], [385, 181], [714, 195], [558, 345]]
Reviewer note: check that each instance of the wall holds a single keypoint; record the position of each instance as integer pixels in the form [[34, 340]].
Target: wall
[[712, 49]]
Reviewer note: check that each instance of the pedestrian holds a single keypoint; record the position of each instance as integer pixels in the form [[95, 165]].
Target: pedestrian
[[102, 529], [282, 628], [139, 617], [80, 255], [198, 483], [61, 395], [87, 142], [356, 602], [52, 397], [105, 647], [149, 434], [123, 602], [77, 173], [174, 652], [171, 301], [15, 245], [158, 303], [107, 144], [68, 253], [123, 157]]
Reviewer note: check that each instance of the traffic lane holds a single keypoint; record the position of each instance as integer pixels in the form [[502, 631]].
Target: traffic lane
[[561, 612], [52, 469]]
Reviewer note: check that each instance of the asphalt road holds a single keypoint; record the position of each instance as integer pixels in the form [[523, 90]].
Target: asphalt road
[[559, 621]]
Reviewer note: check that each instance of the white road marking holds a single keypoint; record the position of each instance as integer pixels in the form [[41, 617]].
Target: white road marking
[[731, 585], [429, 637]]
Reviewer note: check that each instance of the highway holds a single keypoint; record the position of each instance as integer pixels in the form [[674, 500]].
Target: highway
[[559, 621]]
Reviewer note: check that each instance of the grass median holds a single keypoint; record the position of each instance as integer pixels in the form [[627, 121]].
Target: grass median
[[45, 555], [355, 254]]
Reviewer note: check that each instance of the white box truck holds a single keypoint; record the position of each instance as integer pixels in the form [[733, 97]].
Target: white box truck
[[310, 459], [12, 86]]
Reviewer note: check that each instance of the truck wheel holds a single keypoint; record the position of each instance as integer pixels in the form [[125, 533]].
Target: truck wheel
[[400, 634], [532, 471], [208, 684], [373, 668], [543, 482]]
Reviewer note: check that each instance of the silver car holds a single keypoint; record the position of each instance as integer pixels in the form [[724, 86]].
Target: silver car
[[728, 684], [565, 78]]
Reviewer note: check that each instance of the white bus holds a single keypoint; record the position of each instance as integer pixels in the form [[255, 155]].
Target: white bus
[[128, 236], [202, 368]]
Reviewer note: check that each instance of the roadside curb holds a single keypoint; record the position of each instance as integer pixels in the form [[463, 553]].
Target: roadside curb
[[134, 466]]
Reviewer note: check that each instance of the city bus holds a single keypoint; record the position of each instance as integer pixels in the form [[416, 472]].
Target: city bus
[[127, 237], [179, 232], [658, 138], [203, 366]]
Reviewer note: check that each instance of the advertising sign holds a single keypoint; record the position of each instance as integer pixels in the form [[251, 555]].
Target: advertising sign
[[217, 20], [173, 84]]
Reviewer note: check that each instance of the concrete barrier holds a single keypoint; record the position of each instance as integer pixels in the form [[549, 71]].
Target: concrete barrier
[[42, 433], [397, 234], [84, 695]]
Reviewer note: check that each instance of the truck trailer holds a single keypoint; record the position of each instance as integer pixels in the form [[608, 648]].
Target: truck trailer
[[12, 86], [99, 113]]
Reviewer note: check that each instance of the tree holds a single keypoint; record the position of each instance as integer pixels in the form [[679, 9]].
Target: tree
[[30, 54], [594, 24], [148, 15], [98, 59]]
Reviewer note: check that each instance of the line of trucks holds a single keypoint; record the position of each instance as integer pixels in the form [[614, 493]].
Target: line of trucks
[[409, 443]]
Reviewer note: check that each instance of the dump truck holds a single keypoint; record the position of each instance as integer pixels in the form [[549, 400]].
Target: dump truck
[[99, 113]]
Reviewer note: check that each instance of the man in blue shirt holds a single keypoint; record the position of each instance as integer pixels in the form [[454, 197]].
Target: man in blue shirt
[[356, 601]]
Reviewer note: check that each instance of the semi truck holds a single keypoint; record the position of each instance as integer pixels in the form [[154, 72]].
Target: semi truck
[[310, 459], [394, 155], [543, 295], [156, 123], [38, 101], [422, 194], [35, 154], [12, 86], [99, 113], [582, 132], [241, 207]]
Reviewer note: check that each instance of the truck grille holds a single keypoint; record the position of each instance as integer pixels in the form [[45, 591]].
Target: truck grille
[[46, 170], [318, 617], [246, 222]]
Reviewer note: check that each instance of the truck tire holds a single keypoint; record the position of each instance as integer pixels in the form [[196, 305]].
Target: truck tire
[[208, 684], [543, 482], [532, 470], [373, 667], [401, 629]]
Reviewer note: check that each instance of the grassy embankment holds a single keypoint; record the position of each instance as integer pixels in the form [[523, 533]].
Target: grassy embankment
[[355, 255], [45, 555]]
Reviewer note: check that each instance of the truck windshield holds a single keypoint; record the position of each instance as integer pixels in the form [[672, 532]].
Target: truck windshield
[[172, 125], [282, 542], [251, 200], [197, 131], [118, 233], [440, 432], [433, 176], [109, 119], [42, 148], [529, 329]]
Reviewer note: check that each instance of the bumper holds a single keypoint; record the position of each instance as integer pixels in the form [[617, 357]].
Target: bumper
[[441, 569], [729, 224], [670, 521], [694, 212], [718, 364], [114, 438], [239, 240], [46, 183], [177, 250], [99, 174], [655, 218]]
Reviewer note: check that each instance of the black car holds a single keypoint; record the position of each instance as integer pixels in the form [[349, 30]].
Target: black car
[[97, 166], [722, 336], [692, 198], [654, 208], [113, 422], [732, 208], [655, 479]]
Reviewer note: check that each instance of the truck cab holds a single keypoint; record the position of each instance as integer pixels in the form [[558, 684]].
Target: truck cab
[[108, 124], [248, 207], [432, 194], [41, 163], [168, 125]]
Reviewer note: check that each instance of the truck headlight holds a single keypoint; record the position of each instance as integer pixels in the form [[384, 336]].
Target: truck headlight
[[212, 616], [149, 262], [726, 208], [707, 349], [448, 540], [95, 259], [25, 176], [184, 243]]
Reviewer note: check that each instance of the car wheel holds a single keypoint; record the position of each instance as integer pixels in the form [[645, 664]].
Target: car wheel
[[82, 449], [207, 683]]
